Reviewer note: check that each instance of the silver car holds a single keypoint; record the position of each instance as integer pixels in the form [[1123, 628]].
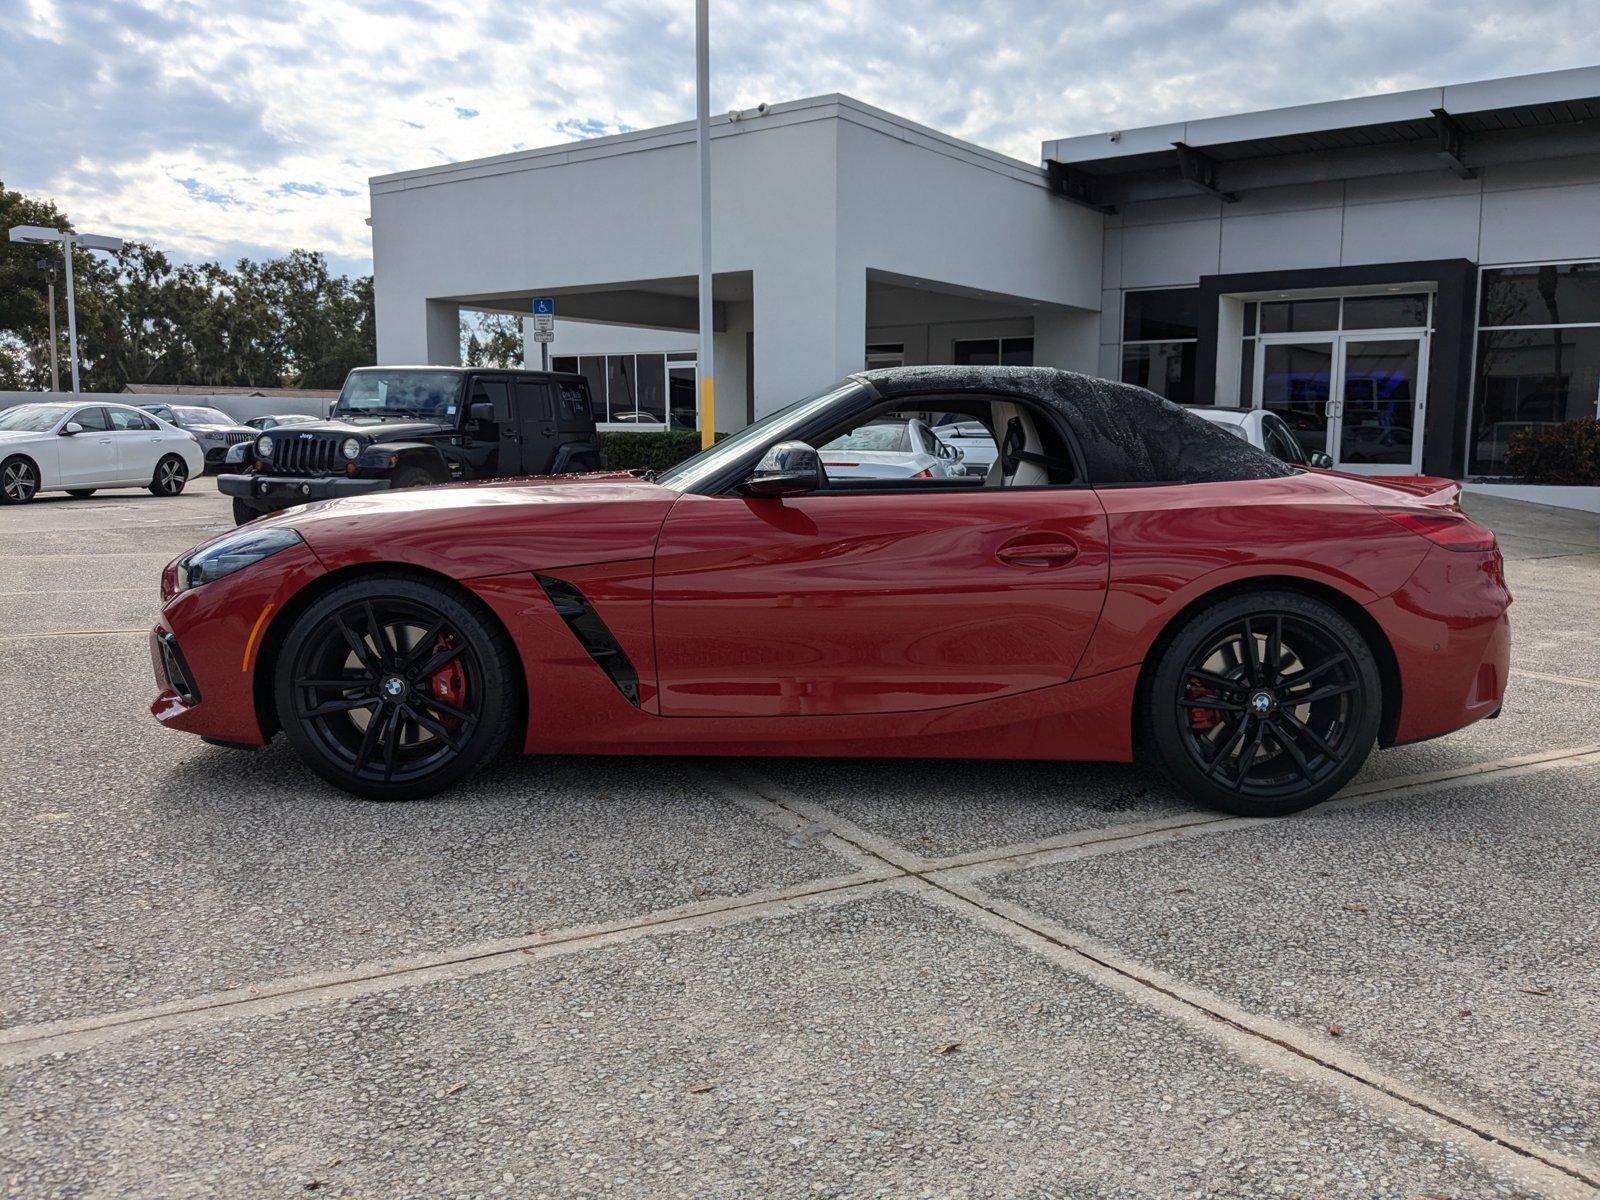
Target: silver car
[[214, 429], [894, 448]]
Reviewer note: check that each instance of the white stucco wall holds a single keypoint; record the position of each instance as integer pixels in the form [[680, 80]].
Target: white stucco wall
[[806, 201]]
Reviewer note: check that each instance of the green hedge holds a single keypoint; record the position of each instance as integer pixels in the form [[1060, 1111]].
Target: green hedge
[[1567, 453], [626, 450]]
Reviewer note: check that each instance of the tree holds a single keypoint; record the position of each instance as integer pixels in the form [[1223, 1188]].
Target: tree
[[491, 339], [284, 322]]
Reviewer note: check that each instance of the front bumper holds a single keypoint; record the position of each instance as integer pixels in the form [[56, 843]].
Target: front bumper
[[281, 491], [210, 644]]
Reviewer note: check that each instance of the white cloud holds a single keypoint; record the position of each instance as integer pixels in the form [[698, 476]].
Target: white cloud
[[219, 127]]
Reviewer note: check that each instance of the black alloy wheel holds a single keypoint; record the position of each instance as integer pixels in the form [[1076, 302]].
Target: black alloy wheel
[[1264, 705], [19, 481], [171, 476], [393, 688]]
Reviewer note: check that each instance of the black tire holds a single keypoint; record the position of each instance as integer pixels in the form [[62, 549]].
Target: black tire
[[81, 493], [171, 476], [243, 514], [19, 480], [407, 477], [1272, 735], [362, 679]]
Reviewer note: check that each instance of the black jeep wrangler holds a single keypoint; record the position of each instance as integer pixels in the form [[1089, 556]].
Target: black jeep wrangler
[[398, 427]]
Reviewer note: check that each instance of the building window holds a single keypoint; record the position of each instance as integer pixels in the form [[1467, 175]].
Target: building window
[[990, 352], [638, 390], [885, 354], [1160, 333], [1538, 354]]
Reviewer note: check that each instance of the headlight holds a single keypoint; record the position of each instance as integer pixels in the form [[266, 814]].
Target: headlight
[[264, 446], [237, 453], [232, 553], [351, 448]]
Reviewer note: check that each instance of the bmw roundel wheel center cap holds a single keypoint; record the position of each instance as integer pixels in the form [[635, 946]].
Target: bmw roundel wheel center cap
[[1262, 703], [394, 688]]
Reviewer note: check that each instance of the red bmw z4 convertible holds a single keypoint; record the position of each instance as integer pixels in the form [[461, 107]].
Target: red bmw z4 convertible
[[1123, 581]]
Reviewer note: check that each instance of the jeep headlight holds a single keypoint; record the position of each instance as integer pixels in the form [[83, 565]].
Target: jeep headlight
[[264, 446], [351, 448], [232, 553]]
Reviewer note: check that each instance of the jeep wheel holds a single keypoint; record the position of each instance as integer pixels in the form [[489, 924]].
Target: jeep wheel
[[243, 514], [407, 477], [394, 688]]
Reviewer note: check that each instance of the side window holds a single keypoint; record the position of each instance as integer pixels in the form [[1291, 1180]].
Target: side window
[[533, 401], [495, 392], [93, 420], [574, 399], [1281, 443], [125, 420]]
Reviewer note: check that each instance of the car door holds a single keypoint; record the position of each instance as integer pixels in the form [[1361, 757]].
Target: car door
[[535, 425], [865, 602], [138, 442], [89, 458]]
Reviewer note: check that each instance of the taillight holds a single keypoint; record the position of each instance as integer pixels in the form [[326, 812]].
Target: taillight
[[194, 439], [1452, 530], [925, 473]]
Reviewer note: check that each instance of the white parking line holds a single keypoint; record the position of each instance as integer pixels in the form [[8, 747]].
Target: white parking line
[[1574, 680]]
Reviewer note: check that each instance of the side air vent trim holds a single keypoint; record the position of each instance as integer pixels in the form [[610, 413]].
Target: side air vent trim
[[594, 635]]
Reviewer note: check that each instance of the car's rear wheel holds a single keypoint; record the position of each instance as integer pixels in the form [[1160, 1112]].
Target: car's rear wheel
[[394, 688], [1263, 704], [171, 476], [19, 481]]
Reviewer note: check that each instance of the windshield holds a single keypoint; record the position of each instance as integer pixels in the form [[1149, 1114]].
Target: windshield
[[409, 393], [707, 463], [202, 416], [32, 418]]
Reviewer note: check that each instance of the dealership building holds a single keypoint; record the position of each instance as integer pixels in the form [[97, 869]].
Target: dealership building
[[1407, 278]]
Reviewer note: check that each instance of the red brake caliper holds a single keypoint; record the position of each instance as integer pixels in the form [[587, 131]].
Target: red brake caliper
[[449, 683], [1201, 719]]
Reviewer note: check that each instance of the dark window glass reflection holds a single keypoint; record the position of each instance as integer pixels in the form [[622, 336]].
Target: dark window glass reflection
[[1296, 381], [1163, 315], [1385, 312], [1530, 378], [1165, 368], [1299, 316], [1555, 294]]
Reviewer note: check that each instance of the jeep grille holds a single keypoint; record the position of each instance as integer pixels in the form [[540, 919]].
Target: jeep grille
[[300, 455]]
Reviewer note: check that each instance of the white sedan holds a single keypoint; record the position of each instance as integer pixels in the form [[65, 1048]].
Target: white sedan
[[80, 448], [1265, 430], [897, 448]]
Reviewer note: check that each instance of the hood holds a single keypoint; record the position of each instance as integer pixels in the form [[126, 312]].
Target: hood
[[469, 530], [376, 430], [21, 435]]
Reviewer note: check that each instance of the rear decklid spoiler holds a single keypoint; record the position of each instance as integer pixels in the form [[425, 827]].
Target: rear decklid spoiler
[[1429, 491]]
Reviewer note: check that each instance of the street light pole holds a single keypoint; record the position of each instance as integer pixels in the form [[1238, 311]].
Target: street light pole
[[44, 235], [55, 366], [702, 138]]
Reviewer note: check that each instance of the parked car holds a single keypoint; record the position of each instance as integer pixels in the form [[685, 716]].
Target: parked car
[[903, 449], [1076, 603], [402, 427], [81, 448], [973, 440], [1265, 430], [280, 419], [214, 429]]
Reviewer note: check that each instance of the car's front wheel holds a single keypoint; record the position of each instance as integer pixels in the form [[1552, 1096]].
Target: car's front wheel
[[394, 688], [1263, 704], [19, 481]]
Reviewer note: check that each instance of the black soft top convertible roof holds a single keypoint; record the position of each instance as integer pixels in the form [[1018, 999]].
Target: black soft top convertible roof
[[1127, 435]]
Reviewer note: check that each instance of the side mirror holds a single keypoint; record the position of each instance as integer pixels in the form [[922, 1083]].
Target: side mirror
[[1319, 459], [482, 411], [70, 428], [788, 469]]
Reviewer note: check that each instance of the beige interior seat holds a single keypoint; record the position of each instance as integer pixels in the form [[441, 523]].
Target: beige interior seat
[[1027, 474]]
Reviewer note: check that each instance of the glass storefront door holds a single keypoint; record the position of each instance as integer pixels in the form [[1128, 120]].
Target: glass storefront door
[[1357, 397]]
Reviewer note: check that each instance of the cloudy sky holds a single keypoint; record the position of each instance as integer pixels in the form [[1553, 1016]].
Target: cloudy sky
[[221, 128]]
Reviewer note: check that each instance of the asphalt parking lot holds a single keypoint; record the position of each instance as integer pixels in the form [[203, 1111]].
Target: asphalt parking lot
[[646, 977]]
